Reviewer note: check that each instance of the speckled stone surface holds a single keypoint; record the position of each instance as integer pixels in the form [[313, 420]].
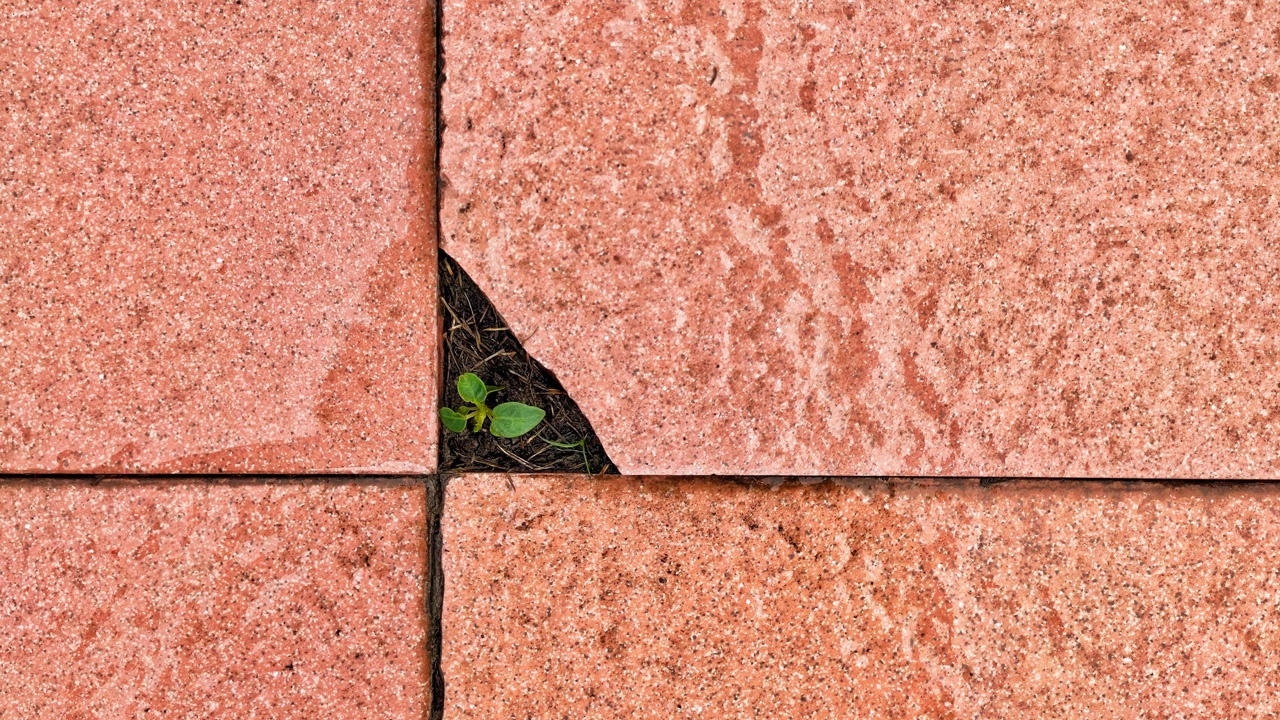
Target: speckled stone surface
[[216, 250], [958, 238], [646, 598], [188, 601]]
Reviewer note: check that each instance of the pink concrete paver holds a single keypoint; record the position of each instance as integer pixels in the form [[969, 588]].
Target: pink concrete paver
[[650, 598], [216, 245], [267, 601], [906, 237]]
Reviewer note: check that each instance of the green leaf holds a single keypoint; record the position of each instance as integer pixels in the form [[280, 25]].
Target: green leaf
[[582, 443], [491, 389], [513, 419], [452, 420], [565, 446], [471, 388]]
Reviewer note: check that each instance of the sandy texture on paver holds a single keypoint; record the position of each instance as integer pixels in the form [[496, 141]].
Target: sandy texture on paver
[[756, 236], [198, 600], [215, 237], [646, 598]]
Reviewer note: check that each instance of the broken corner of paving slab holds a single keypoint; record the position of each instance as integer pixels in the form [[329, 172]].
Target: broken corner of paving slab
[[893, 238]]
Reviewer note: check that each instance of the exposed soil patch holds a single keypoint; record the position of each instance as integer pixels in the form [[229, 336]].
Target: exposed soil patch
[[477, 340]]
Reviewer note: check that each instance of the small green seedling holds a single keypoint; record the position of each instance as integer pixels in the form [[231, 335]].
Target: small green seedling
[[508, 420], [581, 444]]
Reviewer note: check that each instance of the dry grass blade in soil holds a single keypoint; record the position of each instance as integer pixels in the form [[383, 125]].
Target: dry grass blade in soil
[[477, 340]]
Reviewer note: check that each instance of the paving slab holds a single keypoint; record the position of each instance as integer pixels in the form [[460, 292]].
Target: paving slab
[[269, 601], [656, 598], [905, 237], [216, 245]]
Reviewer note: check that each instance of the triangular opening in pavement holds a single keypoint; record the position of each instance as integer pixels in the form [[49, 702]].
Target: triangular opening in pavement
[[477, 340]]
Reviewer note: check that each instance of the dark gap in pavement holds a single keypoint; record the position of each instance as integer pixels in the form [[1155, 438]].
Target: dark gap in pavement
[[111, 481], [432, 52], [435, 596], [477, 340]]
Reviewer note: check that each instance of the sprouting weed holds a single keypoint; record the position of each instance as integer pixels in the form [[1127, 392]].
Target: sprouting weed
[[508, 420]]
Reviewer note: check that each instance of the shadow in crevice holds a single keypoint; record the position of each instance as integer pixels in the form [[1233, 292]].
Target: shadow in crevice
[[435, 596]]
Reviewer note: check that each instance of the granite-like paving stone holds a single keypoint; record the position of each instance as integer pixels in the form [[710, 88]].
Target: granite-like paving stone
[[197, 600], [216, 247], [651, 598], [905, 237]]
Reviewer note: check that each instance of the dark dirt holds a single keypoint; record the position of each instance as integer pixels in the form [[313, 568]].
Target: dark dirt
[[477, 340]]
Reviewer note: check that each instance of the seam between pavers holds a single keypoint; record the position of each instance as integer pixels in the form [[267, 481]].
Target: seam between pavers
[[126, 480], [434, 577], [984, 480], [434, 592], [436, 123]]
